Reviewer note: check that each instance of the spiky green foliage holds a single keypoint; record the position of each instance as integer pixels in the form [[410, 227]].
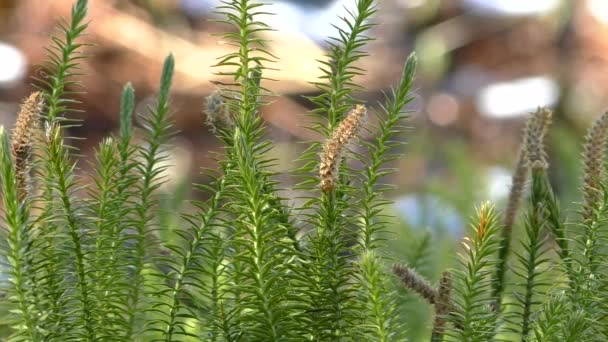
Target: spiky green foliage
[[64, 184], [57, 82], [61, 184], [328, 281], [474, 318], [157, 125], [259, 235], [62, 66], [533, 261], [124, 284], [19, 241], [390, 125], [372, 223], [559, 320], [554, 288]]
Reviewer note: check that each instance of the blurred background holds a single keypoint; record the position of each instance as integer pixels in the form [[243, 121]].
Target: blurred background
[[483, 66]]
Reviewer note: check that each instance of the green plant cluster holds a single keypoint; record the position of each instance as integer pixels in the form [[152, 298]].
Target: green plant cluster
[[91, 261]]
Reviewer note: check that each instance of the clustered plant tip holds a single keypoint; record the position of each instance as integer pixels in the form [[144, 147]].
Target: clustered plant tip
[[94, 260], [531, 154], [594, 150], [217, 113], [334, 148], [414, 281], [23, 138], [534, 136]]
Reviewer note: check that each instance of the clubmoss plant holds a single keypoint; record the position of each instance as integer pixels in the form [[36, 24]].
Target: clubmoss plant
[[92, 260], [548, 284]]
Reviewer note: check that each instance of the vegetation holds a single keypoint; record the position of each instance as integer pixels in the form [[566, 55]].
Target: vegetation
[[85, 261]]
